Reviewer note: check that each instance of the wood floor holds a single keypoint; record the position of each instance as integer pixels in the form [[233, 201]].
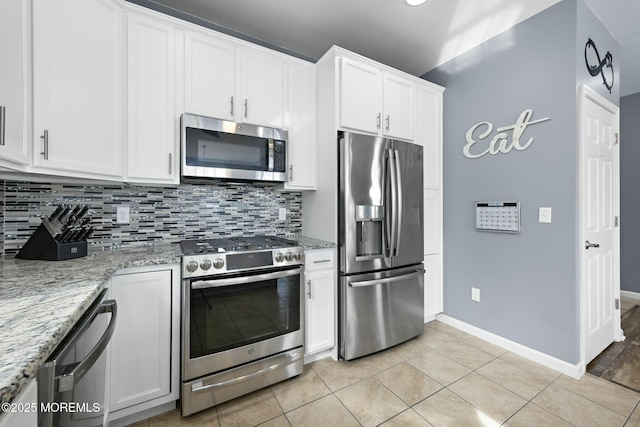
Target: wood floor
[[620, 362]]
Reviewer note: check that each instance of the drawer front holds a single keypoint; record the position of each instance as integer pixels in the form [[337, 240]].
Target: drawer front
[[319, 259]]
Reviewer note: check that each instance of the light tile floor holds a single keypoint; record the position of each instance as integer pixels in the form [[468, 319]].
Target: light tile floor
[[444, 377]]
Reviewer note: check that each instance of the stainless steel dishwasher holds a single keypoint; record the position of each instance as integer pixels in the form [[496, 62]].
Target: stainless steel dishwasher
[[72, 383]]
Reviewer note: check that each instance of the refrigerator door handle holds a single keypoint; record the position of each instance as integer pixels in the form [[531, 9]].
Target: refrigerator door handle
[[388, 214], [386, 280], [394, 206], [399, 211]]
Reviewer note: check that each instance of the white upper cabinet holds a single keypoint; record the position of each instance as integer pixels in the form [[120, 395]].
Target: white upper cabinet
[[301, 148], [153, 123], [360, 96], [376, 101], [232, 82], [14, 81], [210, 76], [399, 100], [78, 87], [262, 90]]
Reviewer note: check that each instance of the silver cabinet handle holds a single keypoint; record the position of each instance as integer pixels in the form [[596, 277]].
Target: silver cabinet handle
[[309, 288], [170, 163], [246, 108], [321, 261], [588, 245], [387, 120], [231, 106], [3, 126], [45, 151], [378, 125], [386, 280]]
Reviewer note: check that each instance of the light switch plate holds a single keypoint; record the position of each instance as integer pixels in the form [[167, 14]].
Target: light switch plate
[[544, 215]]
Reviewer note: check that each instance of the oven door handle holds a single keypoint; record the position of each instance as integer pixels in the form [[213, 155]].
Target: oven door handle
[[292, 357], [205, 284]]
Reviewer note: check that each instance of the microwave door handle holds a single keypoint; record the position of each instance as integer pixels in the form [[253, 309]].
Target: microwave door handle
[[400, 212], [205, 284], [67, 381], [271, 155]]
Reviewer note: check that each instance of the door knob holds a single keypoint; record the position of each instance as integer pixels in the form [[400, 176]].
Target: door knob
[[588, 245]]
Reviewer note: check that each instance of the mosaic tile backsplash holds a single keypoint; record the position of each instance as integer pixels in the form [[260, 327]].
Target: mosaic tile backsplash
[[167, 214]]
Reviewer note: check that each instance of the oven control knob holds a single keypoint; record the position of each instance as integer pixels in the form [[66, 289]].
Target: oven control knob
[[205, 264], [218, 263], [279, 257], [297, 256], [288, 256], [192, 266]]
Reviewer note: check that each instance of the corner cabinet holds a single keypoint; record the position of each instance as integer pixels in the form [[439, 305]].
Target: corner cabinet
[[153, 49], [320, 289], [145, 348], [430, 137], [376, 101], [301, 149], [15, 81], [78, 87]]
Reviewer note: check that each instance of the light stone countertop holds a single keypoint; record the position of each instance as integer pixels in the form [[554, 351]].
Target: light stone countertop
[[40, 301]]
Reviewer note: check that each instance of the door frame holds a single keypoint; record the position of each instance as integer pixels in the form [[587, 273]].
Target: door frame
[[586, 94]]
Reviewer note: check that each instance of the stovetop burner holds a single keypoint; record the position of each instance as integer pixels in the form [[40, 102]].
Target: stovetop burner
[[234, 244]]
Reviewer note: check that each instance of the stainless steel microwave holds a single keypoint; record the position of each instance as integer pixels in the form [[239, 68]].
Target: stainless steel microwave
[[214, 148]]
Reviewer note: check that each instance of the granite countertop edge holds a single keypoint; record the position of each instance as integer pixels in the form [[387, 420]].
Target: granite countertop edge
[[34, 319]]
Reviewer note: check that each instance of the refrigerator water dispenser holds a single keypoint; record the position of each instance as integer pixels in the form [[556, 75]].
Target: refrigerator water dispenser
[[369, 226]]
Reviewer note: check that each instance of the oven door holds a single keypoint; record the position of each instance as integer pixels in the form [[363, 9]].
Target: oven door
[[235, 319]]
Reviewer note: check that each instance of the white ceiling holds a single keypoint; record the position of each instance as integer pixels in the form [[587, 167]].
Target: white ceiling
[[412, 39]]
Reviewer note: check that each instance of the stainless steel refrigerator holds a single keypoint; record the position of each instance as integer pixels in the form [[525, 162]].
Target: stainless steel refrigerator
[[380, 219]]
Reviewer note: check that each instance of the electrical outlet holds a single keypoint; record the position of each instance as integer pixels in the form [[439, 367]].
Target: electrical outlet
[[282, 214], [122, 215], [475, 294]]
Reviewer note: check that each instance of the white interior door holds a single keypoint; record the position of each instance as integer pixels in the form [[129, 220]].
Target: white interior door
[[600, 234]]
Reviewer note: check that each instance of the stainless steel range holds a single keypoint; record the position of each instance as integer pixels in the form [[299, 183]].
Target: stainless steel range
[[242, 317]]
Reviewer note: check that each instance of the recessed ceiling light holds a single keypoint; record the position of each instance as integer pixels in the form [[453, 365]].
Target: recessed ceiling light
[[415, 2]]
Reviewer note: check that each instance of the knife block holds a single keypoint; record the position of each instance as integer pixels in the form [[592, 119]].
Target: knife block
[[43, 246]]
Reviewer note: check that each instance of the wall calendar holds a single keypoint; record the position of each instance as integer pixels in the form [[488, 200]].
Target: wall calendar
[[503, 217]]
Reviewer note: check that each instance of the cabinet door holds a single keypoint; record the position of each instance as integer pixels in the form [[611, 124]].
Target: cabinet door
[[209, 76], [430, 134], [432, 286], [14, 80], [141, 342], [360, 96], [320, 317], [432, 222], [399, 100], [78, 86], [152, 124], [301, 150], [262, 92]]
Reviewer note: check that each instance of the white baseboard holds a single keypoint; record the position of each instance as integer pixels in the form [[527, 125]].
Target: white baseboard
[[574, 371], [629, 294]]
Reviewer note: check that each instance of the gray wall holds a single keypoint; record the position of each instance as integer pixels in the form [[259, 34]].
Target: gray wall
[[629, 193], [528, 282]]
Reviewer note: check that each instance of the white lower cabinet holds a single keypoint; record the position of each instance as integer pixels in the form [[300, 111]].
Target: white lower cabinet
[[23, 411], [320, 288], [432, 286], [145, 347]]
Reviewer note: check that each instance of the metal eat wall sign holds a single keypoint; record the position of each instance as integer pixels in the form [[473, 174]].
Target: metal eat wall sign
[[478, 143]]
